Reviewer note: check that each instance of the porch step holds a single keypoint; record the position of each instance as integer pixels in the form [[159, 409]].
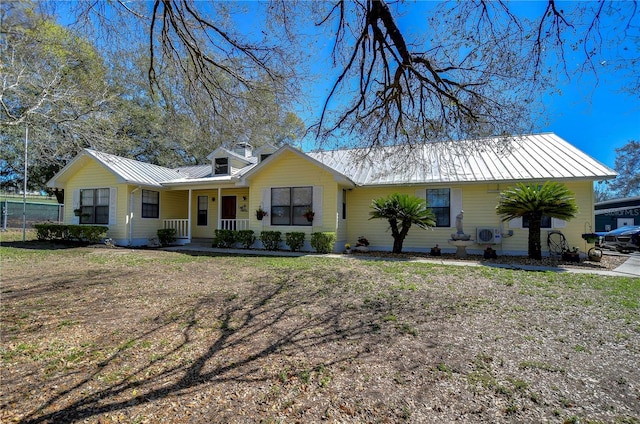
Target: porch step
[[204, 242]]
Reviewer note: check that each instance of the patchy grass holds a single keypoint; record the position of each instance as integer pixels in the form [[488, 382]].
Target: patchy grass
[[121, 335]]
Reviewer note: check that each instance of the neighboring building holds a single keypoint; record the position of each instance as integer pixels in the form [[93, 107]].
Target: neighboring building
[[135, 199], [616, 213]]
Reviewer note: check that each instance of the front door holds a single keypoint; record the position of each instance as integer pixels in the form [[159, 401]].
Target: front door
[[229, 211]]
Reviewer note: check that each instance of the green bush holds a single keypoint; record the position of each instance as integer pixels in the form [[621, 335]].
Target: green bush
[[271, 239], [224, 238], [64, 232], [166, 236], [294, 240], [246, 238], [323, 242]]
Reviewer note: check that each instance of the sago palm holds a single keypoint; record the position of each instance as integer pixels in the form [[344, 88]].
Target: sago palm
[[402, 211], [532, 202]]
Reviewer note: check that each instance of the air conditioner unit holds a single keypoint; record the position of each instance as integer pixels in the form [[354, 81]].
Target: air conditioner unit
[[488, 236]]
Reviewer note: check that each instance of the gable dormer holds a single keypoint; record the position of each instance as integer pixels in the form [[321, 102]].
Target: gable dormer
[[229, 162], [264, 151]]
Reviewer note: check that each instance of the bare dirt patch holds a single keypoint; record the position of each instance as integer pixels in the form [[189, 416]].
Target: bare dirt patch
[[120, 335]]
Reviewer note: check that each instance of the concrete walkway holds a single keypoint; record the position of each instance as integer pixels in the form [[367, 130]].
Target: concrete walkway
[[631, 268]]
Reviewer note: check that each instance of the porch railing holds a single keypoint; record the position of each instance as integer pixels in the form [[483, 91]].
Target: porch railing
[[234, 224], [180, 225]]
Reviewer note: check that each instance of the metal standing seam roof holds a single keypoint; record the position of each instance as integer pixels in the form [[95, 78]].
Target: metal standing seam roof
[[529, 157], [133, 171], [194, 171]]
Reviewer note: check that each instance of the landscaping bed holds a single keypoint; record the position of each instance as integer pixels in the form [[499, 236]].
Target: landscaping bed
[[607, 262]]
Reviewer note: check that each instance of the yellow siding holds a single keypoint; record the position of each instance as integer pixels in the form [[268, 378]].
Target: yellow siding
[[92, 175], [376, 230], [200, 231], [478, 202], [289, 170], [174, 204], [143, 228], [208, 231]]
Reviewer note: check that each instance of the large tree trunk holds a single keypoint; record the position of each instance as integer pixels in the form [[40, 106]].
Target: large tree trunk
[[399, 235], [397, 244], [535, 248]]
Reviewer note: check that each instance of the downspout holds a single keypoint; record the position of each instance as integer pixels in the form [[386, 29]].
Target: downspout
[[189, 216], [219, 209], [131, 214]]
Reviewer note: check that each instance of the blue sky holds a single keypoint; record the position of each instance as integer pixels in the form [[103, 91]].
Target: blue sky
[[596, 118], [594, 115]]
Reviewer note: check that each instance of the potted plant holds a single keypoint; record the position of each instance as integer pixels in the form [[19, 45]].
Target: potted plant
[[572, 255], [594, 254], [77, 211], [362, 245], [435, 251], [490, 253], [309, 214], [347, 248], [261, 213], [590, 237]]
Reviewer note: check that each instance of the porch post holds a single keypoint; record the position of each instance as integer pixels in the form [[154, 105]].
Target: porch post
[[189, 218], [219, 206]]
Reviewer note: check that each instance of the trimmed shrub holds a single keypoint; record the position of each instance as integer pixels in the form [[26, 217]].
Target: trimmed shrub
[[64, 232], [246, 238], [224, 238], [294, 240], [323, 242], [166, 236], [271, 239]]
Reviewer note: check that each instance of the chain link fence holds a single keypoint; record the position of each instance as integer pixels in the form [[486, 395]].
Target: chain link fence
[[12, 213]]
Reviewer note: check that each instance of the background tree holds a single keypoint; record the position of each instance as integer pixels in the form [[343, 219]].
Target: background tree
[[73, 97], [402, 211], [51, 80], [529, 201], [627, 165], [601, 192], [474, 69]]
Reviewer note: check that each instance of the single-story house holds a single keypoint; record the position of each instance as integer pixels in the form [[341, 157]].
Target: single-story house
[[617, 213], [135, 199]]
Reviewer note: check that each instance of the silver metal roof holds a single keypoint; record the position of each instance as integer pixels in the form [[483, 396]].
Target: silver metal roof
[[195, 171], [135, 172], [530, 157]]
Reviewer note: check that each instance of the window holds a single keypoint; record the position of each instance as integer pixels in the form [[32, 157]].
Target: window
[[344, 204], [288, 204], [221, 166], [94, 206], [150, 204], [546, 222], [439, 200], [203, 208]]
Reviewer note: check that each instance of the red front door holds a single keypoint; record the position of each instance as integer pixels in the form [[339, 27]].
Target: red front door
[[229, 208]]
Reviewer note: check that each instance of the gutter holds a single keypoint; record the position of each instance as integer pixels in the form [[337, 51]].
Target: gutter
[[131, 213]]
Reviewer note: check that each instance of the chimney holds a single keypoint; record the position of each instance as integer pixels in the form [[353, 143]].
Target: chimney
[[243, 149]]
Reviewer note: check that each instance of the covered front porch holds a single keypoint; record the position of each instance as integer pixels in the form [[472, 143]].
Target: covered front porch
[[197, 212]]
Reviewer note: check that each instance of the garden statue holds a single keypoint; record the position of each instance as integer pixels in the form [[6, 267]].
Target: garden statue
[[459, 234]]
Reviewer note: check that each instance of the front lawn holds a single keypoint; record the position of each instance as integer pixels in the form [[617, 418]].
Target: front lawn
[[120, 335]]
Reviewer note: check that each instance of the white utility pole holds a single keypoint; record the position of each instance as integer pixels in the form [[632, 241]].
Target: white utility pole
[[24, 190]]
